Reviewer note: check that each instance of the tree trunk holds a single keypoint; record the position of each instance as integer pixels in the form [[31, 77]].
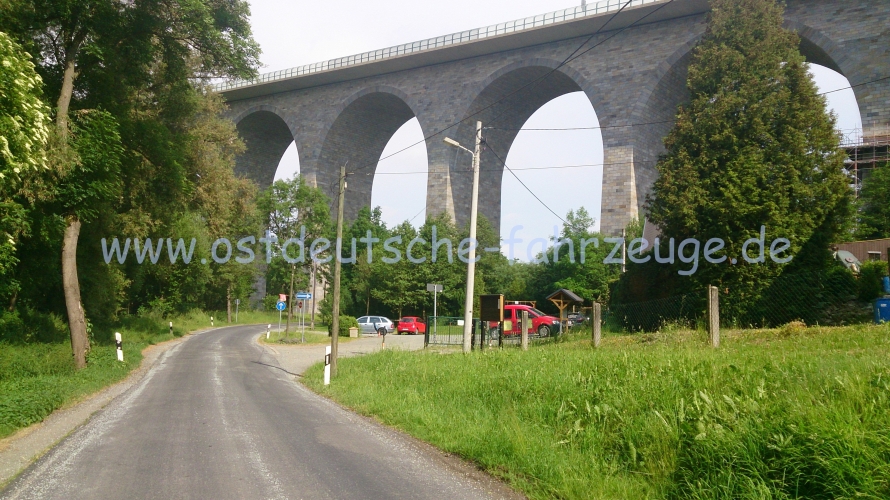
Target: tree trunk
[[80, 344], [12, 301], [312, 319], [368, 302], [65, 98], [229, 304]]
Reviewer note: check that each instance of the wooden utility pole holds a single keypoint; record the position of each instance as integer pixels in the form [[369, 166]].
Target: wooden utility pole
[[290, 300], [597, 323], [229, 304], [335, 321], [714, 316], [312, 318], [524, 327]]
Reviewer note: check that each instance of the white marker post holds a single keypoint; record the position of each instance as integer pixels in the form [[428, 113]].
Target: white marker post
[[120, 349], [211, 321], [268, 329], [171, 328], [327, 365]]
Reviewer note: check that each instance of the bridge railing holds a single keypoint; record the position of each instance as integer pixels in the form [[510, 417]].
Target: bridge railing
[[440, 41]]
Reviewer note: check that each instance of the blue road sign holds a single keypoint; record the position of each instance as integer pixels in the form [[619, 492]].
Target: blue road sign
[[281, 306], [304, 296]]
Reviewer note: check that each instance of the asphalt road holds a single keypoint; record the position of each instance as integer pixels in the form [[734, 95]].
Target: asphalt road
[[218, 418]]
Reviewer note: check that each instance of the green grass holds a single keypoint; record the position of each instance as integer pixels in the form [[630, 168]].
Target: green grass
[[789, 413], [38, 378], [317, 336]]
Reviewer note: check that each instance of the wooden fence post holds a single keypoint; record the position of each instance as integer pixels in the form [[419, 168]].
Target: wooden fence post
[[714, 316], [597, 324], [524, 327]]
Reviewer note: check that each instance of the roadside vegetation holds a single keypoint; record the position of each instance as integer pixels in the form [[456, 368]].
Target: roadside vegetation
[[316, 336], [793, 412]]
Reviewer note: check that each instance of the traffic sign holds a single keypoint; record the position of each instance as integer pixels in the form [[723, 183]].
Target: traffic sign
[[281, 305], [433, 287], [304, 296], [300, 304]]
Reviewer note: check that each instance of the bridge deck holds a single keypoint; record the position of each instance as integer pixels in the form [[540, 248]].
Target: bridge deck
[[559, 25]]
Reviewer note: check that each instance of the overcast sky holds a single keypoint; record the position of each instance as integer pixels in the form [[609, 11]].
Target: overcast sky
[[293, 33]]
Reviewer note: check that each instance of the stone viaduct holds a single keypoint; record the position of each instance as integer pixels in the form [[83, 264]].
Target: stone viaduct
[[633, 73]]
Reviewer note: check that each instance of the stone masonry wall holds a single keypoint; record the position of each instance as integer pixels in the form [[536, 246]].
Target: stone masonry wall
[[633, 80]]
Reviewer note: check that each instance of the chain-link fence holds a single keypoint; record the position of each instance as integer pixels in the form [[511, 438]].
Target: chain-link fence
[[833, 298], [827, 299]]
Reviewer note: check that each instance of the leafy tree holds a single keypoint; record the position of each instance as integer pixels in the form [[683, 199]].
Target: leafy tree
[[139, 61], [754, 147], [874, 216], [87, 184], [24, 130], [293, 210], [363, 277], [24, 117], [403, 284], [225, 202], [561, 265]]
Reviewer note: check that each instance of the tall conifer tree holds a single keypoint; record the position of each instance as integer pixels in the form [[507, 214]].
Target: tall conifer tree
[[754, 147]]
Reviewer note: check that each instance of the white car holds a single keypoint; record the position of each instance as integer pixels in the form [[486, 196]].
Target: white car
[[375, 324]]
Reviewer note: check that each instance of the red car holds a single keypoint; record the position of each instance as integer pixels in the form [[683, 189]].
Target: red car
[[542, 324], [411, 324]]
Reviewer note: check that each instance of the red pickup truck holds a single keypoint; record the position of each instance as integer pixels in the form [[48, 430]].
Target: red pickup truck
[[541, 323]]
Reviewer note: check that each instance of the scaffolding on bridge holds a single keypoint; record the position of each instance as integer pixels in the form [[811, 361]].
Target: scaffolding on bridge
[[865, 153]]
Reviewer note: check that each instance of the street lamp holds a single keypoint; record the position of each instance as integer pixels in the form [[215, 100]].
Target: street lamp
[[474, 208]]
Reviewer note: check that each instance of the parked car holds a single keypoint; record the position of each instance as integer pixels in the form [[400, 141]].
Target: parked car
[[375, 324], [576, 318], [411, 325], [541, 323]]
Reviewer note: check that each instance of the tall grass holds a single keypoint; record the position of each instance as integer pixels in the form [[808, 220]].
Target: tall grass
[[771, 414], [36, 378]]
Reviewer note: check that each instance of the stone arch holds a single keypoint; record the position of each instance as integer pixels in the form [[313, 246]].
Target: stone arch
[[363, 125], [504, 101], [819, 48], [266, 136], [816, 47]]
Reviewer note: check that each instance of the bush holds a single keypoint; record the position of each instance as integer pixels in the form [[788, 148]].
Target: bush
[[269, 302], [27, 325], [870, 286], [346, 322]]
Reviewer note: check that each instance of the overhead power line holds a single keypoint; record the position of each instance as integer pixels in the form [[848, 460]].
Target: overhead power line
[[556, 129], [526, 187], [554, 167], [855, 86]]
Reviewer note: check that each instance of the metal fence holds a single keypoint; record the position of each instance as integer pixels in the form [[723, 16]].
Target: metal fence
[[445, 330], [449, 331]]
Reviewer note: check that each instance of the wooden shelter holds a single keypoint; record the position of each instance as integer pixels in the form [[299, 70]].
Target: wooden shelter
[[562, 299]]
